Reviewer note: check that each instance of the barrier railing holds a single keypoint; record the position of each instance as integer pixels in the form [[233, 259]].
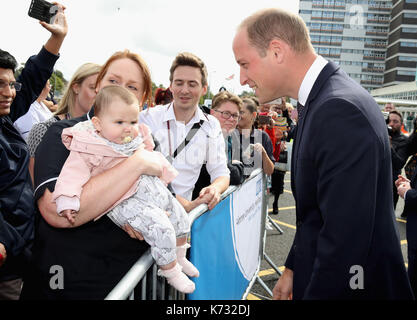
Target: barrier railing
[[135, 284]]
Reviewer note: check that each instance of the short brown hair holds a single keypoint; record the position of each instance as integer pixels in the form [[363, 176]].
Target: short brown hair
[[396, 113], [268, 24], [107, 94], [226, 96], [191, 60], [147, 90]]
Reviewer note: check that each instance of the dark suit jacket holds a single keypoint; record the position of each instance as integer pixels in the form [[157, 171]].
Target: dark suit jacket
[[342, 183], [410, 208]]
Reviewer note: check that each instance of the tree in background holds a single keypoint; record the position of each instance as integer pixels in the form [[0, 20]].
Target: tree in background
[[57, 80]]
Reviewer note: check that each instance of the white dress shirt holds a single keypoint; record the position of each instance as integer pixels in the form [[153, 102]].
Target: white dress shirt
[[206, 146], [310, 78]]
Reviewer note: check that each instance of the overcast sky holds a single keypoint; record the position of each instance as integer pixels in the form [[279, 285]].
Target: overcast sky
[[156, 29]]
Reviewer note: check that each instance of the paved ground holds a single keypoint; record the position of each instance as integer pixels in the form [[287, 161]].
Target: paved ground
[[278, 245]]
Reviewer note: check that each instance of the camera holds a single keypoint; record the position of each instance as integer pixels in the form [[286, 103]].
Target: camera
[[263, 118], [390, 131], [42, 10]]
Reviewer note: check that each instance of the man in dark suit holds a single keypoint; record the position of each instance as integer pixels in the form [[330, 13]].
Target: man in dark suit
[[408, 191], [346, 245]]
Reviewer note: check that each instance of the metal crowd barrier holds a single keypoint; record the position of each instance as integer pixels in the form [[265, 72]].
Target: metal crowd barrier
[[135, 285]]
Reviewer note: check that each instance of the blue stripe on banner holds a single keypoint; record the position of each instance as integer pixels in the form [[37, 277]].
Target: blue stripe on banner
[[213, 254]]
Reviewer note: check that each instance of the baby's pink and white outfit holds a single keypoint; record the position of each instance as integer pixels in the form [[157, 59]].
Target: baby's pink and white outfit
[[148, 206]]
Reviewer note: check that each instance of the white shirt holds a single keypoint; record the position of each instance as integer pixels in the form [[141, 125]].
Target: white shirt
[[310, 78], [206, 145], [37, 113]]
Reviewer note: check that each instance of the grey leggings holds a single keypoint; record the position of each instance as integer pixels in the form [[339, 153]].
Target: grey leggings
[[157, 215]]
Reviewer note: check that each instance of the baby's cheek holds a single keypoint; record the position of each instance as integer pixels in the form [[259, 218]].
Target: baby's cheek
[[135, 132]]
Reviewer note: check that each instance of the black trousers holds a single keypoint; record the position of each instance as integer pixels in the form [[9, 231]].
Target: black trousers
[[277, 185]]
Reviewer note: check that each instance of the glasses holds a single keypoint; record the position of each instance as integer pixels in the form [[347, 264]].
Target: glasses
[[12, 85], [226, 115]]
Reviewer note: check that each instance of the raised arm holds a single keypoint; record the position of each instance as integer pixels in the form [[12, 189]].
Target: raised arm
[[38, 69], [58, 30]]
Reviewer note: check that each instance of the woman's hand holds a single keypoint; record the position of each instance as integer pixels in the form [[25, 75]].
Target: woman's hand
[[149, 162], [133, 233]]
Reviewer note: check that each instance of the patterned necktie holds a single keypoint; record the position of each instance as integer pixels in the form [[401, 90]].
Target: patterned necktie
[[300, 109]]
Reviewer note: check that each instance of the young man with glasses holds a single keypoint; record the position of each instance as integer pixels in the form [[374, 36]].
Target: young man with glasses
[[188, 136], [17, 212]]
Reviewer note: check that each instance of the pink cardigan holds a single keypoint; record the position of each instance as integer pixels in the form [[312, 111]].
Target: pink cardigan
[[91, 156]]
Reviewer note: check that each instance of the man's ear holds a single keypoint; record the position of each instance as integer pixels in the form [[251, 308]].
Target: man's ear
[[279, 49], [96, 123], [204, 90]]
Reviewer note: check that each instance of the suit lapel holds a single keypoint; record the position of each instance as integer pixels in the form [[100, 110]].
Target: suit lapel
[[327, 71]]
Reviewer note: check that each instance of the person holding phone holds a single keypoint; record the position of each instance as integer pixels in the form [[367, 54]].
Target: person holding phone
[[17, 212], [256, 149]]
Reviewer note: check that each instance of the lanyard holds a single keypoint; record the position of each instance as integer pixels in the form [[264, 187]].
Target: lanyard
[[187, 139]]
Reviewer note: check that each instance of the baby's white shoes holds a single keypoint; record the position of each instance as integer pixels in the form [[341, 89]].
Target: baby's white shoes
[[178, 279], [187, 267]]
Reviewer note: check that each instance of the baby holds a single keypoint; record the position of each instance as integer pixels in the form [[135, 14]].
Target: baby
[[96, 145]]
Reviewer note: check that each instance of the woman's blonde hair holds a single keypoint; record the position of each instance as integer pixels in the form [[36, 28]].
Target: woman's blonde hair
[[268, 24], [147, 90], [66, 104]]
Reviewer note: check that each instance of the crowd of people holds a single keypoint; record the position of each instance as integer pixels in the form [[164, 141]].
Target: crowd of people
[[116, 164]]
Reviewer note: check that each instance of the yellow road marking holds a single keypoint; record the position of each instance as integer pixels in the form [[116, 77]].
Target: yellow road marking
[[252, 297], [287, 191], [284, 208], [268, 272], [403, 242], [401, 220], [284, 224]]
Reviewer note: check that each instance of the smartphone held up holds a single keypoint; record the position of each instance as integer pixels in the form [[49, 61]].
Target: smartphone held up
[[43, 10]]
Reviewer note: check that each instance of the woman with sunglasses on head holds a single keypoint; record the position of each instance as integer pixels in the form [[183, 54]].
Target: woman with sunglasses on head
[[76, 101], [256, 150], [94, 255]]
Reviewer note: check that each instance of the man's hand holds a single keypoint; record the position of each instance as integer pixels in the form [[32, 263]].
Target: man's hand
[[403, 185], [403, 188], [283, 287], [58, 30], [210, 195], [3, 254], [59, 26], [401, 179]]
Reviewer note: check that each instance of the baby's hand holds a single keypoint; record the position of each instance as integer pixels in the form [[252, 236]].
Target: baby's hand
[[69, 214]]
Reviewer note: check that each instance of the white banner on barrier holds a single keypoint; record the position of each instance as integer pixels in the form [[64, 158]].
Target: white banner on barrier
[[246, 209]]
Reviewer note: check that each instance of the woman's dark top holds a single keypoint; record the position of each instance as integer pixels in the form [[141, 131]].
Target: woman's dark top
[[93, 257]]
